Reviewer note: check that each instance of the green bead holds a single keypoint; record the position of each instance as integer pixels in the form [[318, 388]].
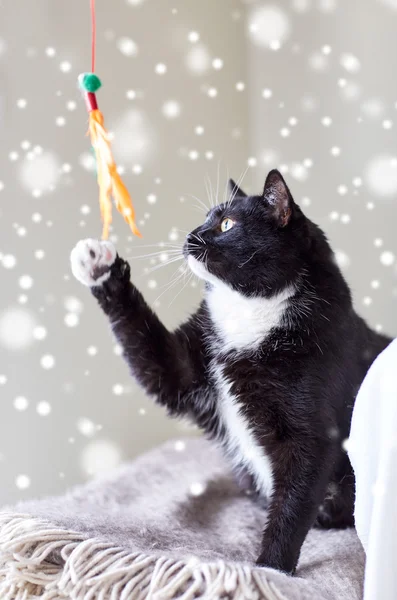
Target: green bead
[[89, 82]]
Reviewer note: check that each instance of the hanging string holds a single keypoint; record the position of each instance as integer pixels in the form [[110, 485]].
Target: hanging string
[[110, 184], [93, 35]]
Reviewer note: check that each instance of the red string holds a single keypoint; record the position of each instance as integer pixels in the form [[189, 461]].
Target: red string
[[93, 35]]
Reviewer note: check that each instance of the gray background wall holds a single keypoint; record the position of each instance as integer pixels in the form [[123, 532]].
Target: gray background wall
[[68, 408]]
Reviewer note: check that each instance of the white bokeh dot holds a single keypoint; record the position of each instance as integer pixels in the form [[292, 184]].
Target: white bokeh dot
[[41, 172], [197, 489], [268, 26], [127, 46], [267, 93], [8, 261], [71, 319], [100, 456], [25, 282], [193, 37], [197, 59], [22, 482], [387, 258], [381, 176], [179, 446], [350, 62], [171, 109], [86, 427], [160, 69], [43, 408], [21, 403], [16, 329], [342, 259], [47, 361], [39, 333], [65, 66]]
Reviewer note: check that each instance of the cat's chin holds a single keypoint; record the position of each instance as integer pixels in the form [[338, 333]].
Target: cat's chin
[[199, 269]]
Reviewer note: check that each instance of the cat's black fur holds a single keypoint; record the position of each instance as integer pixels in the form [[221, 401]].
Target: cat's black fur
[[296, 390]]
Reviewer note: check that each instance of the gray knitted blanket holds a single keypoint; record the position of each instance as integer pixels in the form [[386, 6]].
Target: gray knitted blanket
[[170, 525]]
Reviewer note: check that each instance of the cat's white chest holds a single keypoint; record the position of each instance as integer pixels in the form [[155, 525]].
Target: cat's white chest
[[241, 322], [241, 445]]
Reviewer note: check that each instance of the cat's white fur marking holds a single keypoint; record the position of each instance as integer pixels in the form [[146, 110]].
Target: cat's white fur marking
[[243, 324], [241, 445], [83, 263]]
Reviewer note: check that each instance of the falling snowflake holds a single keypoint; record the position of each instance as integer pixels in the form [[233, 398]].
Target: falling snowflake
[[179, 446], [342, 259], [21, 403], [197, 489], [161, 69], [86, 427], [22, 482], [381, 176], [387, 258], [16, 329], [350, 63], [41, 172], [268, 26], [127, 46], [71, 320], [47, 361], [65, 66], [25, 282], [43, 408], [217, 64], [197, 60], [100, 456], [134, 137]]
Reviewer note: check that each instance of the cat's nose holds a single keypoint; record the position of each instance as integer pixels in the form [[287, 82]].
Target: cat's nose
[[189, 238]]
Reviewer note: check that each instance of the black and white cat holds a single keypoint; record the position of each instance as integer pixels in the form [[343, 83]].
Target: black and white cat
[[269, 365]]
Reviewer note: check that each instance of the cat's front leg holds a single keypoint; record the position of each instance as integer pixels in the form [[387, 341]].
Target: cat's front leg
[[299, 487], [167, 364]]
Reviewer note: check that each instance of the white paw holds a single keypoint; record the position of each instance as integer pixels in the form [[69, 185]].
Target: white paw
[[91, 261]]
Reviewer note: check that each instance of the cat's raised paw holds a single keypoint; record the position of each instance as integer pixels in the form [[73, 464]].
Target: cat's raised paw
[[91, 261]]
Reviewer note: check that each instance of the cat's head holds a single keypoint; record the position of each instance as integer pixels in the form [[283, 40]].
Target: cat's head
[[256, 245]]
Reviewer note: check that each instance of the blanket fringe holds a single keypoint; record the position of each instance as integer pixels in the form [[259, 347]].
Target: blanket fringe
[[40, 561]]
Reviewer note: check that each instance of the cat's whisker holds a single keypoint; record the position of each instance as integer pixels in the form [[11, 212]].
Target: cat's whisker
[[205, 207], [212, 191], [164, 264], [226, 191], [195, 235], [238, 185], [182, 288], [152, 254], [217, 182], [208, 191], [176, 278], [250, 258]]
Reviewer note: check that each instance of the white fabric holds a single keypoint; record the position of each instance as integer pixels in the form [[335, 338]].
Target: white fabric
[[372, 449]]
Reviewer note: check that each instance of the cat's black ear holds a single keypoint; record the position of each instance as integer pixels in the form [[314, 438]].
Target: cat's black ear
[[235, 191], [278, 196]]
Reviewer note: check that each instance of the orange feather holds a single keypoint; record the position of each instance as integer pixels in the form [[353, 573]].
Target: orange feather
[[109, 180]]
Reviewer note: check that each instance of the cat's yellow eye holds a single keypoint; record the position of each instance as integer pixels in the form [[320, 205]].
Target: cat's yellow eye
[[226, 224]]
